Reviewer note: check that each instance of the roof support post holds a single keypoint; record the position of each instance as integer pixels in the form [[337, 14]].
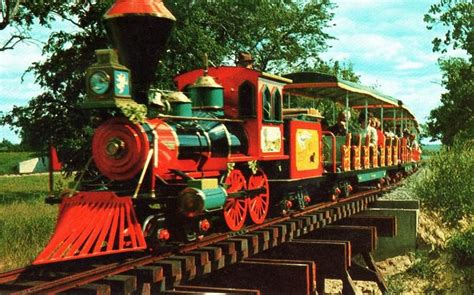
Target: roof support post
[[366, 113], [401, 121], [347, 111], [395, 121], [381, 117]]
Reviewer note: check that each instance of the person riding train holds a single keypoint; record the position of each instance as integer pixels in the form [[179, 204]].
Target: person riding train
[[340, 128], [244, 59], [368, 128]]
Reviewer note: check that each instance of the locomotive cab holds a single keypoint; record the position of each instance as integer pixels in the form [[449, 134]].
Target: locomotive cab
[[252, 98]]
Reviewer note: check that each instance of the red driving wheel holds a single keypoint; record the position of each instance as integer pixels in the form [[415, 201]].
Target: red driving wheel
[[258, 205], [235, 209]]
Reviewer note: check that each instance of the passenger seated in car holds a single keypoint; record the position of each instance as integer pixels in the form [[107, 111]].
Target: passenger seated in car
[[413, 142], [340, 128], [415, 147], [406, 136], [380, 136], [368, 128], [390, 133]]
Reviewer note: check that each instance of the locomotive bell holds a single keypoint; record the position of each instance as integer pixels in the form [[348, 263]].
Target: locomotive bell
[[139, 29]]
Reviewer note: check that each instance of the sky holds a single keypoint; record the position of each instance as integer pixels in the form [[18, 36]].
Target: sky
[[386, 41], [390, 48]]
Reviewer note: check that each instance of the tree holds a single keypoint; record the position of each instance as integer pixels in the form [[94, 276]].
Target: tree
[[343, 70], [53, 115], [8, 11], [457, 16], [23, 15], [454, 119], [280, 34], [7, 146]]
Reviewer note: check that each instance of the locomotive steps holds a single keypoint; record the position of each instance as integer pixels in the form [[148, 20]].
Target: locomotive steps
[[293, 254]]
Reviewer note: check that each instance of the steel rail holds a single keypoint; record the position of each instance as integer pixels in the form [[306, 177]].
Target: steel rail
[[12, 274]]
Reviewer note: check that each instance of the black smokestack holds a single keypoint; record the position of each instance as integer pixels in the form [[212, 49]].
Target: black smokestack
[[139, 29]]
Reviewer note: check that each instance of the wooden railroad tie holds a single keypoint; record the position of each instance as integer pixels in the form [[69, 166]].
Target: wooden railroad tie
[[330, 249], [266, 275], [386, 225]]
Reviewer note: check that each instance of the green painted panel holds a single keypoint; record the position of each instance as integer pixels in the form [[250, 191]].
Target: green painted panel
[[372, 175], [214, 198], [182, 109], [327, 141], [408, 168]]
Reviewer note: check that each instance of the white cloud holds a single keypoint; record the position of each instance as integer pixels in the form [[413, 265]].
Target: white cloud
[[20, 58], [420, 94], [365, 48], [409, 65]]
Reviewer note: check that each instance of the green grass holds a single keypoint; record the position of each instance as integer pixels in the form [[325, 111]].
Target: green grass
[[26, 222], [422, 267], [29, 188], [431, 147], [9, 161], [26, 229], [430, 150]]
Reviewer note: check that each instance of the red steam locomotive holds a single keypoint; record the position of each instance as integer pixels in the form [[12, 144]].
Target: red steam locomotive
[[226, 149]]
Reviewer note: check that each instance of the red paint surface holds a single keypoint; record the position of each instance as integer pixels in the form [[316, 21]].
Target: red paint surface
[[151, 7], [92, 224]]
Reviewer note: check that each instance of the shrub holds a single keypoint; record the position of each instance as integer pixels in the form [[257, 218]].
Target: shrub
[[446, 184], [422, 267], [462, 247]]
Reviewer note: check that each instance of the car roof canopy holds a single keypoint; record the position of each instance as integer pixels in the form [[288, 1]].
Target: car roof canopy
[[323, 86]]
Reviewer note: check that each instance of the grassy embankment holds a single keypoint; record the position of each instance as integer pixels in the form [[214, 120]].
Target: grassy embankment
[[9, 161], [26, 222], [444, 262]]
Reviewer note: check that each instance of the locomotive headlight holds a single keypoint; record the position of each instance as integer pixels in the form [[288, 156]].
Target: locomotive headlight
[[191, 201], [99, 82]]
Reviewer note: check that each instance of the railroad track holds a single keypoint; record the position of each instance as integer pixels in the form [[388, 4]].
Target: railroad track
[[171, 271]]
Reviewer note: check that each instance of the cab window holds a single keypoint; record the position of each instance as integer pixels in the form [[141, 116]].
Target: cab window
[[277, 107], [272, 105], [267, 104], [246, 100]]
